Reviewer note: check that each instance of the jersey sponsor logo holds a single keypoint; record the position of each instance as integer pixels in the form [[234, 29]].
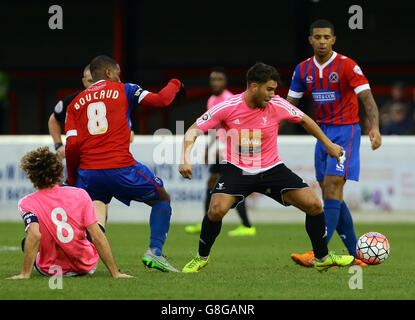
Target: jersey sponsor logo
[[250, 141], [325, 96], [334, 77]]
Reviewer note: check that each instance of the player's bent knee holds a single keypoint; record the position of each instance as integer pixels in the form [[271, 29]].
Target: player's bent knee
[[314, 207], [216, 212]]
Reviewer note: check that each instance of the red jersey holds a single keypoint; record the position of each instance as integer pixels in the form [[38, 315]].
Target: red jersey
[[98, 124], [334, 87], [99, 117]]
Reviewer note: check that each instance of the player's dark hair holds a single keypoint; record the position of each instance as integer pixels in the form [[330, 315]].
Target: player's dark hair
[[261, 73], [99, 64], [43, 167], [321, 23], [219, 69]]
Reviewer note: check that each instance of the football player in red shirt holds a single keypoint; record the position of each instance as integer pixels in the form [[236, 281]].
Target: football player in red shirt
[[97, 150], [335, 83]]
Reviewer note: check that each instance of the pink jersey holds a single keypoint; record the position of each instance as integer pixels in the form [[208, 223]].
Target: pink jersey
[[63, 213], [214, 100], [252, 134]]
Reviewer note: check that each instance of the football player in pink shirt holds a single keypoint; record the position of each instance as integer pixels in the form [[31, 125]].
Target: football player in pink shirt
[[56, 220], [251, 121], [218, 83]]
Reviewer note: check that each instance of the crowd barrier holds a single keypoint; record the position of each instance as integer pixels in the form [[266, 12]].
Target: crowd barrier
[[386, 186]]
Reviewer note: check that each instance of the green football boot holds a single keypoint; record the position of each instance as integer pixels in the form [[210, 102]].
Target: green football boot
[[195, 264], [193, 229], [150, 260], [333, 260]]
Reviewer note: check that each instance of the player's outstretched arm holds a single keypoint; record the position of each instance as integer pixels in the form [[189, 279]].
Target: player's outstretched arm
[[164, 97], [104, 250], [372, 112], [185, 167], [334, 150], [55, 130], [30, 251]]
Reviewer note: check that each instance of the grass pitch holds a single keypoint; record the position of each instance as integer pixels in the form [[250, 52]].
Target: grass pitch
[[251, 268]]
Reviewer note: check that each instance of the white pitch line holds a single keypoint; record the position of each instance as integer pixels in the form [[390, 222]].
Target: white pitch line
[[9, 248]]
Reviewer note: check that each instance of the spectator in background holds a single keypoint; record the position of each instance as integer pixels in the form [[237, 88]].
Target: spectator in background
[[395, 114], [4, 88]]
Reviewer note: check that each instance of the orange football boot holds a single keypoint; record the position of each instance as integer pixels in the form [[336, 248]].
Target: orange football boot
[[306, 259], [358, 262]]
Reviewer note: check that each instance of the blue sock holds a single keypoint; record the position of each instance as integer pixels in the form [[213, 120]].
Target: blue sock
[[159, 226], [346, 231], [332, 214]]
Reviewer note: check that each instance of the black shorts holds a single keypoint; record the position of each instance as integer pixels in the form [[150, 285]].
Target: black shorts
[[272, 183], [215, 168]]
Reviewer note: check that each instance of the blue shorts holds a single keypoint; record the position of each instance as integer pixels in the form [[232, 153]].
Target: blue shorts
[[347, 136], [136, 182]]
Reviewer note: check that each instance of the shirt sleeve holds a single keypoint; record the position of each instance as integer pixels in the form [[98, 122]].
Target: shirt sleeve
[[61, 107], [287, 111], [213, 117], [135, 94], [72, 150], [27, 215], [297, 87], [355, 77]]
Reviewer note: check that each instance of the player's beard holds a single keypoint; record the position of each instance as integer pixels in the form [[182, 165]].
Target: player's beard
[[261, 104]]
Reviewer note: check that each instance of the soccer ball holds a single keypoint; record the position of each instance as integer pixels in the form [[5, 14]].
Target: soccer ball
[[372, 248]]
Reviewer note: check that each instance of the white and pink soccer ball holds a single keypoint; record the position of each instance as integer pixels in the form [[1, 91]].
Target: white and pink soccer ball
[[373, 248]]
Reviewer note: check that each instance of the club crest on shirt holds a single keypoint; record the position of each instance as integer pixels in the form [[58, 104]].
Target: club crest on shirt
[[309, 79], [334, 77]]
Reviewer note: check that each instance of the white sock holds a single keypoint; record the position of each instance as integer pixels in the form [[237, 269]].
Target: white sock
[[203, 258], [322, 259]]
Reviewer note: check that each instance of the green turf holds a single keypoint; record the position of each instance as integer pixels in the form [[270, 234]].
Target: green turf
[[241, 268]]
